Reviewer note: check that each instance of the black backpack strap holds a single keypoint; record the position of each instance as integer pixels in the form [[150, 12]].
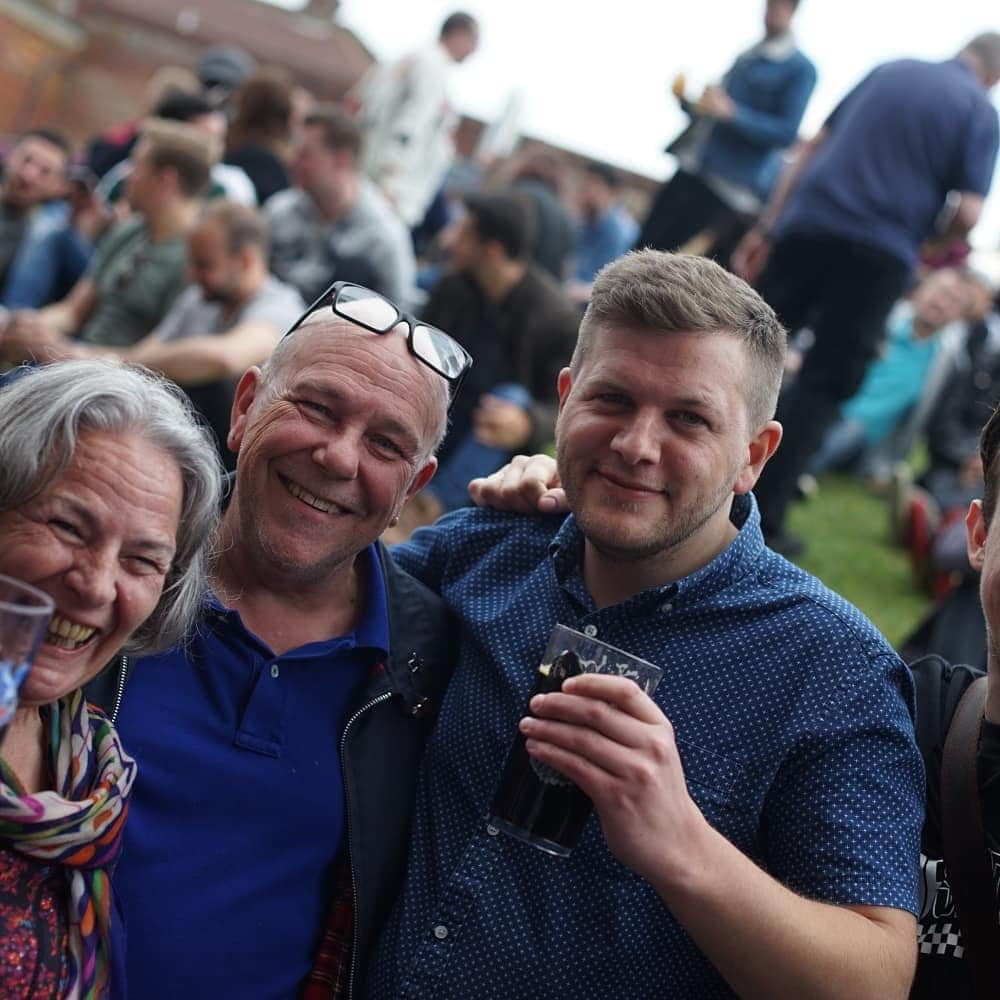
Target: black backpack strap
[[966, 855]]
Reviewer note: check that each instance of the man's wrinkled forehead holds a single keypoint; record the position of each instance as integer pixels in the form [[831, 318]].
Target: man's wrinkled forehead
[[324, 327]]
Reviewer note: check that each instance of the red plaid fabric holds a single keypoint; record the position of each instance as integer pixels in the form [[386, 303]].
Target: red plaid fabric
[[332, 965]]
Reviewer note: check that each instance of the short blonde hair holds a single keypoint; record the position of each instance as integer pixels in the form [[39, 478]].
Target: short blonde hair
[[677, 293]]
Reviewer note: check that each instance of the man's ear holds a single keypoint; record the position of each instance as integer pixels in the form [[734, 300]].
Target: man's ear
[[975, 535], [759, 449], [168, 178], [563, 384], [422, 478], [246, 393]]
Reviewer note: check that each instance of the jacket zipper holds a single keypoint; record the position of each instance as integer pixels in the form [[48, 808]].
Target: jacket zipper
[[385, 696], [122, 674]]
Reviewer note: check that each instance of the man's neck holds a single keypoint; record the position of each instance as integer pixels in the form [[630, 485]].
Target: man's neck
[[335, 203], [498, 280], [253, 282], [283, 611], [172, 219], [922, 330], [993, 687], [611, 580]]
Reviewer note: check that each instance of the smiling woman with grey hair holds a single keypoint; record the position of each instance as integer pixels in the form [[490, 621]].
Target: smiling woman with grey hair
[[108, 496]]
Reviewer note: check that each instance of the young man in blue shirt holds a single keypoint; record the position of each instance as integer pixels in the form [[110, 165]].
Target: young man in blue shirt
[[757, 820], [729, 156]]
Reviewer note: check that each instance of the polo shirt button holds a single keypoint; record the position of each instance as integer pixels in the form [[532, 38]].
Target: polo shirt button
[[492, 830], [440, 932], [590, 630], [275, 670]]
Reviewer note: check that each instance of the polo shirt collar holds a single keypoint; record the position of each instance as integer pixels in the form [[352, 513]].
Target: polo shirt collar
[[734, 562], [372, 631]]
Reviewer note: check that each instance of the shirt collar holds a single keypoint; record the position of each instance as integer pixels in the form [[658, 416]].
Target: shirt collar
[[776, 49], [372, 630], [732, 563]]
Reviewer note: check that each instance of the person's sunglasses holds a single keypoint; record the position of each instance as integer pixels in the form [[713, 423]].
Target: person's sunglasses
[[376, 313]]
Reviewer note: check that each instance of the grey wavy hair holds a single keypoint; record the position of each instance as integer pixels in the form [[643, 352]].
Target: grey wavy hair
[[42, 415]]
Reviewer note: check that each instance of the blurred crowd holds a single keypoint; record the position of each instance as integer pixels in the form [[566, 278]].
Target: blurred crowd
[[189, 237]]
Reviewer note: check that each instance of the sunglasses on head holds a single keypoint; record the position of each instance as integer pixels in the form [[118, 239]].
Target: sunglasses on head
[[374, 312]]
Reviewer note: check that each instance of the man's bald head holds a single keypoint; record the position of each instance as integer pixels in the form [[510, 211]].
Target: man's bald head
[[300, 347]]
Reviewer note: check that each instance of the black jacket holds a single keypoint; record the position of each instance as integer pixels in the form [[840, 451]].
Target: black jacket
[[527, 338], [381, 748]]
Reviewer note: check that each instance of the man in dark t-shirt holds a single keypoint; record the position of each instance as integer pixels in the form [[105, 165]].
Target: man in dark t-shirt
[[847, 222], [942, 970]]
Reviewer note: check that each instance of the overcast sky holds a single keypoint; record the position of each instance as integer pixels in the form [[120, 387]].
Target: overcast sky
[[594, 76]]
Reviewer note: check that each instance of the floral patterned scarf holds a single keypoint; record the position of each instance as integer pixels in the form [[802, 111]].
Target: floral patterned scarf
[[77, 825]]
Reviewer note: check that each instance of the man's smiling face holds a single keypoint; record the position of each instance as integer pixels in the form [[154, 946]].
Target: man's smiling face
[[331, 444], [653, 441]]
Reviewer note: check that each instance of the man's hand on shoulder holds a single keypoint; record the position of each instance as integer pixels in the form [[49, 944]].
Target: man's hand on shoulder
[[526, 485]]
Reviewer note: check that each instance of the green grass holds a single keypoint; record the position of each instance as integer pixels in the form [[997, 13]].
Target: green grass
[[846, 530]]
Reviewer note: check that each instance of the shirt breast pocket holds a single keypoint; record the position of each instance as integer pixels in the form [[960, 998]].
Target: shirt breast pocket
[[716, 783]]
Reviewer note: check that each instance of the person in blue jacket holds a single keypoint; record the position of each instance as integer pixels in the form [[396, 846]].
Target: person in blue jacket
[[729, 156]]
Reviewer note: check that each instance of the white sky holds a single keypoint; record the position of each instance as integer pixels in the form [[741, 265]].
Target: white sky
[[594, 76]]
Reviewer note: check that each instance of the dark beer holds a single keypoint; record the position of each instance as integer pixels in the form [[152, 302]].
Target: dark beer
[[534, 802]]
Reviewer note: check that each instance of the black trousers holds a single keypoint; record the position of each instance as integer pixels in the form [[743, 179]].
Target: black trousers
[[843, 291], [683, 207]]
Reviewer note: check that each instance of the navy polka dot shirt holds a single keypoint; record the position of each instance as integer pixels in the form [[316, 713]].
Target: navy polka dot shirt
[[794, 724]]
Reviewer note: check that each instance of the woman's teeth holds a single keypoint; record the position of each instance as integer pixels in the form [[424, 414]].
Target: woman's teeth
[[66, 634]]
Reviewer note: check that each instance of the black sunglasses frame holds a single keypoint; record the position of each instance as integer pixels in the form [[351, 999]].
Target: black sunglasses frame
[[329, 298]]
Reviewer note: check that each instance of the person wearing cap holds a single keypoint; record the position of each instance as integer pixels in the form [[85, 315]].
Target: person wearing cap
[[221, 69]]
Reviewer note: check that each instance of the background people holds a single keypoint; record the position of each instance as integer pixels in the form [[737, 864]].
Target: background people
[[230, 318], [848, 220], [406, 113], [519, 325], [729, 157], [335, 224], [141, 267]]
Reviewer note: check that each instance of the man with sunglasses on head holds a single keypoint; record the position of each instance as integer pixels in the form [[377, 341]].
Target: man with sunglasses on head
[[279, 744]]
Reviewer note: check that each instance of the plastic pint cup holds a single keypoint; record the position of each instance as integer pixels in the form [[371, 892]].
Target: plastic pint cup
[[534, 802]]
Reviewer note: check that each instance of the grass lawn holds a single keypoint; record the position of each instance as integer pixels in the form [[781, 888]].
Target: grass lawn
[[846, 531]]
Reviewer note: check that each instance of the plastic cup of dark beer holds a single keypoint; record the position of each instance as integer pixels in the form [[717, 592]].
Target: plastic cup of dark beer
[[534, 802]]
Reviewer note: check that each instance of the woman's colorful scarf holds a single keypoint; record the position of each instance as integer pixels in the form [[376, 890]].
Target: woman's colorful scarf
[[78, 825]]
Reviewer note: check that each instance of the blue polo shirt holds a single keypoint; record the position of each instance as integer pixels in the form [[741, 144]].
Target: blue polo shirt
[[908, 134], [238, 810], [794, 725]]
